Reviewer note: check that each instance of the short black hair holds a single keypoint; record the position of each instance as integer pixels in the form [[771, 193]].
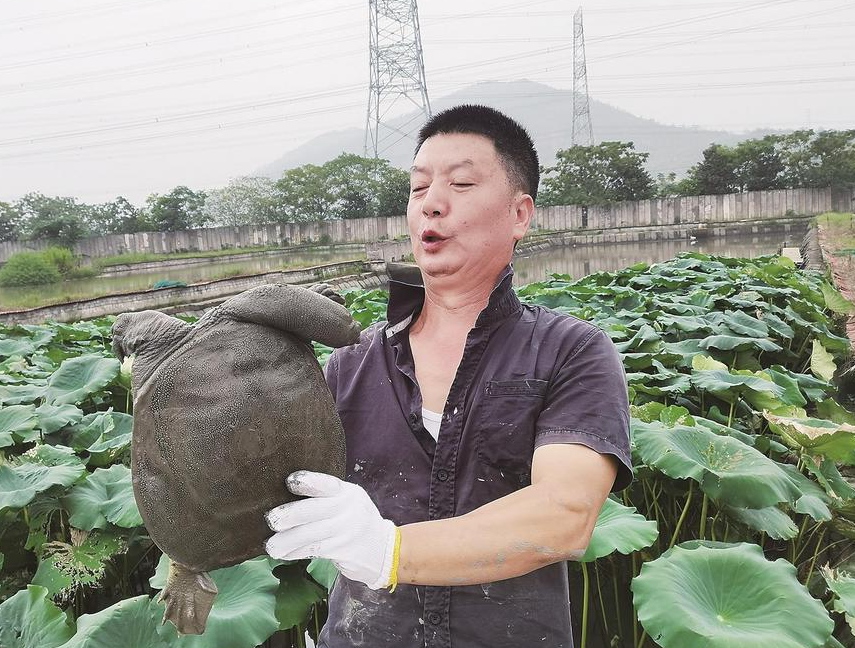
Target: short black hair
[[512, 142]]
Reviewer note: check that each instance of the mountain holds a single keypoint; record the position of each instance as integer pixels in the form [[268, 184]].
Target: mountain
[[547, 114]]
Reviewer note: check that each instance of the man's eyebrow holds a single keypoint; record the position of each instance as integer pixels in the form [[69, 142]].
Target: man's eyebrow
[[466, 162]]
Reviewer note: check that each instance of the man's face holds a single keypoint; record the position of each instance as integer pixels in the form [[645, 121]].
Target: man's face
[[464, 216]]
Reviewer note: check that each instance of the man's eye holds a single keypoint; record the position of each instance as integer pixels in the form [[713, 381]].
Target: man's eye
[[462, 184], [415, 189]]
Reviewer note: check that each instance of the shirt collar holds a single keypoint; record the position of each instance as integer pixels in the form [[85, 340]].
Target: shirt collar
[[407, 296]]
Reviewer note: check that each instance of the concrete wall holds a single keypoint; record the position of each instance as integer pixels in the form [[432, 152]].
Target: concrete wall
[[659, 212], [347, 274]]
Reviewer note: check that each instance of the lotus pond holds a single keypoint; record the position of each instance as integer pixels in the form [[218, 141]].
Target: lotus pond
[[736, 533]]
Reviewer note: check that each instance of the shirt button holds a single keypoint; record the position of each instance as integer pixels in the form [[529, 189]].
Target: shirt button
[[434, 618], [442, 474]]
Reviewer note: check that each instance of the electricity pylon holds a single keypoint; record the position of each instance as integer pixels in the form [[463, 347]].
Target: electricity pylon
[[583, 133], [397, 72]]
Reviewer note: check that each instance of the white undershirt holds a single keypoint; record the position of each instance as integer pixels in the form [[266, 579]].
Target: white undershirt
[[431, 421]]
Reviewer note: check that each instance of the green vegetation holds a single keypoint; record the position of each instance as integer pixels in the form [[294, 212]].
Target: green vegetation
[[130, 258], [348, 186], [596, 175], [37, 268], [741, 516], [28, 269], [803, 158]]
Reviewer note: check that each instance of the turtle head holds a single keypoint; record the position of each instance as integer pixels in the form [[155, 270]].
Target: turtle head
[[145, 334]]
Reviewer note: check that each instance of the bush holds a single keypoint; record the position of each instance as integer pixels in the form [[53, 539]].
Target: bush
[[62, 258], [28, 269]]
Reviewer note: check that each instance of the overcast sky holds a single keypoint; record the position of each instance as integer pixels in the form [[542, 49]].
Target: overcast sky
[[100, 98]]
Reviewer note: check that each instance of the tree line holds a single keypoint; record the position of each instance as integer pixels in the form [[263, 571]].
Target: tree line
[[351, 186], [614, 171]]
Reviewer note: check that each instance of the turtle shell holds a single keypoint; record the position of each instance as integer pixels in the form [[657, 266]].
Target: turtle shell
[[218, 426]]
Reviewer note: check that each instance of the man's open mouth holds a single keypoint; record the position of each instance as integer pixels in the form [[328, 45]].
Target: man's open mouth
[[429, 236]]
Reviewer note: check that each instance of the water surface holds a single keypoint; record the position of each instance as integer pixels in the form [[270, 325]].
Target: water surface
[[576, 261]]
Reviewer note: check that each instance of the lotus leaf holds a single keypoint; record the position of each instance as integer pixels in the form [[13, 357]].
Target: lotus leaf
[[90, 428], [686, 349], [56, 417], [822, 362], [829, 478], [17, 420], [323, 571], [713, 595], [814, 389], [816, 436], [727, 470], [834, 301], [21, 394], [842, 585], [724, 430], [243, 614], [830, 409], [51, 455], [678, 385], [647, 412], [645, 340], [296, 595], [731, 342], [770, 520], [20, 484], [729, 386], [77, 378], [778, 326], [792, 394], [832, 342], [16, 347], [67, 567], [676, 415], [105, 496], [741, 323], [689, 324], [619, 528], [130, 623], [814, 500], [115, 438], [30, 620]]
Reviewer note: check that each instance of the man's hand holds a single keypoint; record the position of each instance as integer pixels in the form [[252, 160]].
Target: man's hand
[[339, 522]]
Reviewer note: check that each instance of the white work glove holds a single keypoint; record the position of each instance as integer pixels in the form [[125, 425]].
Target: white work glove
[[338, 522]]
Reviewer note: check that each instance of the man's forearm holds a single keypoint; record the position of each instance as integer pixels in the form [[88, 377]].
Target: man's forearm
[[508, 537]]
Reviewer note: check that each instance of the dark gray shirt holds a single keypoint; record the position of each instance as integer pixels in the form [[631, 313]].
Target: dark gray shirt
[[529, 376]]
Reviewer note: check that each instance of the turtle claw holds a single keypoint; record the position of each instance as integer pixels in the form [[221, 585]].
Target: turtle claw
[[327, 291], [188, 596]]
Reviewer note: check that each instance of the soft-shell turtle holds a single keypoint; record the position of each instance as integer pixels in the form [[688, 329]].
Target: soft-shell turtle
[[224, 410]]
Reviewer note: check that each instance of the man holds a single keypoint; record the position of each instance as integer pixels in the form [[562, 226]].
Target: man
[[483, 436]]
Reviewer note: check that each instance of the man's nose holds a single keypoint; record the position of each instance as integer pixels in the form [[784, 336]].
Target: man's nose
[[434, 203]]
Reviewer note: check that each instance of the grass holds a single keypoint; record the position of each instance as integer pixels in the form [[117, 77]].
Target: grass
[[146, 257], [840, 228]]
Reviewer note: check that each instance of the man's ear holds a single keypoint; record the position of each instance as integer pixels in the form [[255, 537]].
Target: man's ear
[[523, 207]]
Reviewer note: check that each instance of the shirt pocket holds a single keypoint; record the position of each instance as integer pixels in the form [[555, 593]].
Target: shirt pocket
[[506, 422]]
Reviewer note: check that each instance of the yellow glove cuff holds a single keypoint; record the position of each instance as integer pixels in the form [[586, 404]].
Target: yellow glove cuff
[[396, 558]]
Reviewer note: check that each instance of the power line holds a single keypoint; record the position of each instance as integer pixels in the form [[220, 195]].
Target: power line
[[180, 38]]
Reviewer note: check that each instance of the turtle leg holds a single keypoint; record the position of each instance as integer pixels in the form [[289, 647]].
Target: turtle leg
[[189, 596], [305, 313]]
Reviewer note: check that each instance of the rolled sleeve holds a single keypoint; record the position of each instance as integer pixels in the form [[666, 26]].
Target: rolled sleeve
[[587, 403]]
